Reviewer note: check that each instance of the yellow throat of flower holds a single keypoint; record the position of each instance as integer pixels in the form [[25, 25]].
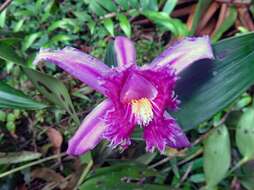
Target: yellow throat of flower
[[142, 109]]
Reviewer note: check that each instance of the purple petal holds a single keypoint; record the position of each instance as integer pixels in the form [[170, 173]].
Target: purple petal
[[164, 79], [163, 132], [137, 87], [125, 51], [90, 132], [82, 66], [120, 124], [184, 53]]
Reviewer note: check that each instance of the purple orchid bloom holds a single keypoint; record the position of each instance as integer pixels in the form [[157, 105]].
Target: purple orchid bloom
[[135, 95]]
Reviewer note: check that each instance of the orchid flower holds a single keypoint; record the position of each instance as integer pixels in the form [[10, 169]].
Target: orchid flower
[[134, 95]]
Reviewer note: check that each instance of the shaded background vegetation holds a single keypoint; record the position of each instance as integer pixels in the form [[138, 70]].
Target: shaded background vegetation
[[36, 122]]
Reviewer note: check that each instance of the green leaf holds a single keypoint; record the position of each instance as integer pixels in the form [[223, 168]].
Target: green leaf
[[15, 99], [227, 23], [109, 25], [169, 6], [123, 3], [116, 177], [162, 19], [110, 58], [245, 134], [7, 53], [58, 38], [86, 158], [149, 5], [91, 25], [197, 178], [124, 24], [30, 39], [19, 25], [200, 8], [66, 23], [17, 157], [247, 182], [96, 8], [146, 158], [53, 89], [216, 156], [108, 5], [2, 18], [134, 3], [231, 75]]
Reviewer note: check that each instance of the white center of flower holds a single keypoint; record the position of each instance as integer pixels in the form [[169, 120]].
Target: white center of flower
[[142, 109]]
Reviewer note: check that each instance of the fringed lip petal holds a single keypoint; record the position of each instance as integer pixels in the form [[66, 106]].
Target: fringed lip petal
[[184, 53], [82, 66], [90, 132], [164, 132], [137, 87], [125, 52]]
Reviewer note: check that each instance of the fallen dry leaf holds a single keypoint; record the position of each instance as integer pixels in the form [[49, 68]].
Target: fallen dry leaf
[[55, 138]]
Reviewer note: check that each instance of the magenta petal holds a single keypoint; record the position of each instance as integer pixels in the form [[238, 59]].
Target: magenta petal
[[120, 125], [184, 53], [137, 87], [90, 132], [82, 66], [163, 132], [125, 51]]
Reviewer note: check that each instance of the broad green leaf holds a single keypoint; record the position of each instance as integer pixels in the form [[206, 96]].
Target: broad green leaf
[[200, 8], [108, 5], [109, 25], [123, 3], [67, 24], [19, 25], [15, 99], [7, 53], [169, 6], [149, 5], [112, 178], [227, 23], [96, 8], [162, 19], [197, 178], [146, 158], [134, 3], [11, 41], [243, 102], [231, 75], [248, 182], [86, 158], [53, 89], [110, 58], [153, 5], [57, 38], [91, 25], [30, 39], [17, 157], [105, 185], [124, 24], [2, 18], [216, 156], [245, 134]]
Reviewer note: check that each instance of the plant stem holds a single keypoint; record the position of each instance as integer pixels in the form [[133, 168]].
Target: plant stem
[[238, 165], [31, 164], [84, 174], [5, 5]]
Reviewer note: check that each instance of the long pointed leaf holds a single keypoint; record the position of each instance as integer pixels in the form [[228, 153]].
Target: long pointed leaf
[[15, 99], [53, 90], [232, 74]]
